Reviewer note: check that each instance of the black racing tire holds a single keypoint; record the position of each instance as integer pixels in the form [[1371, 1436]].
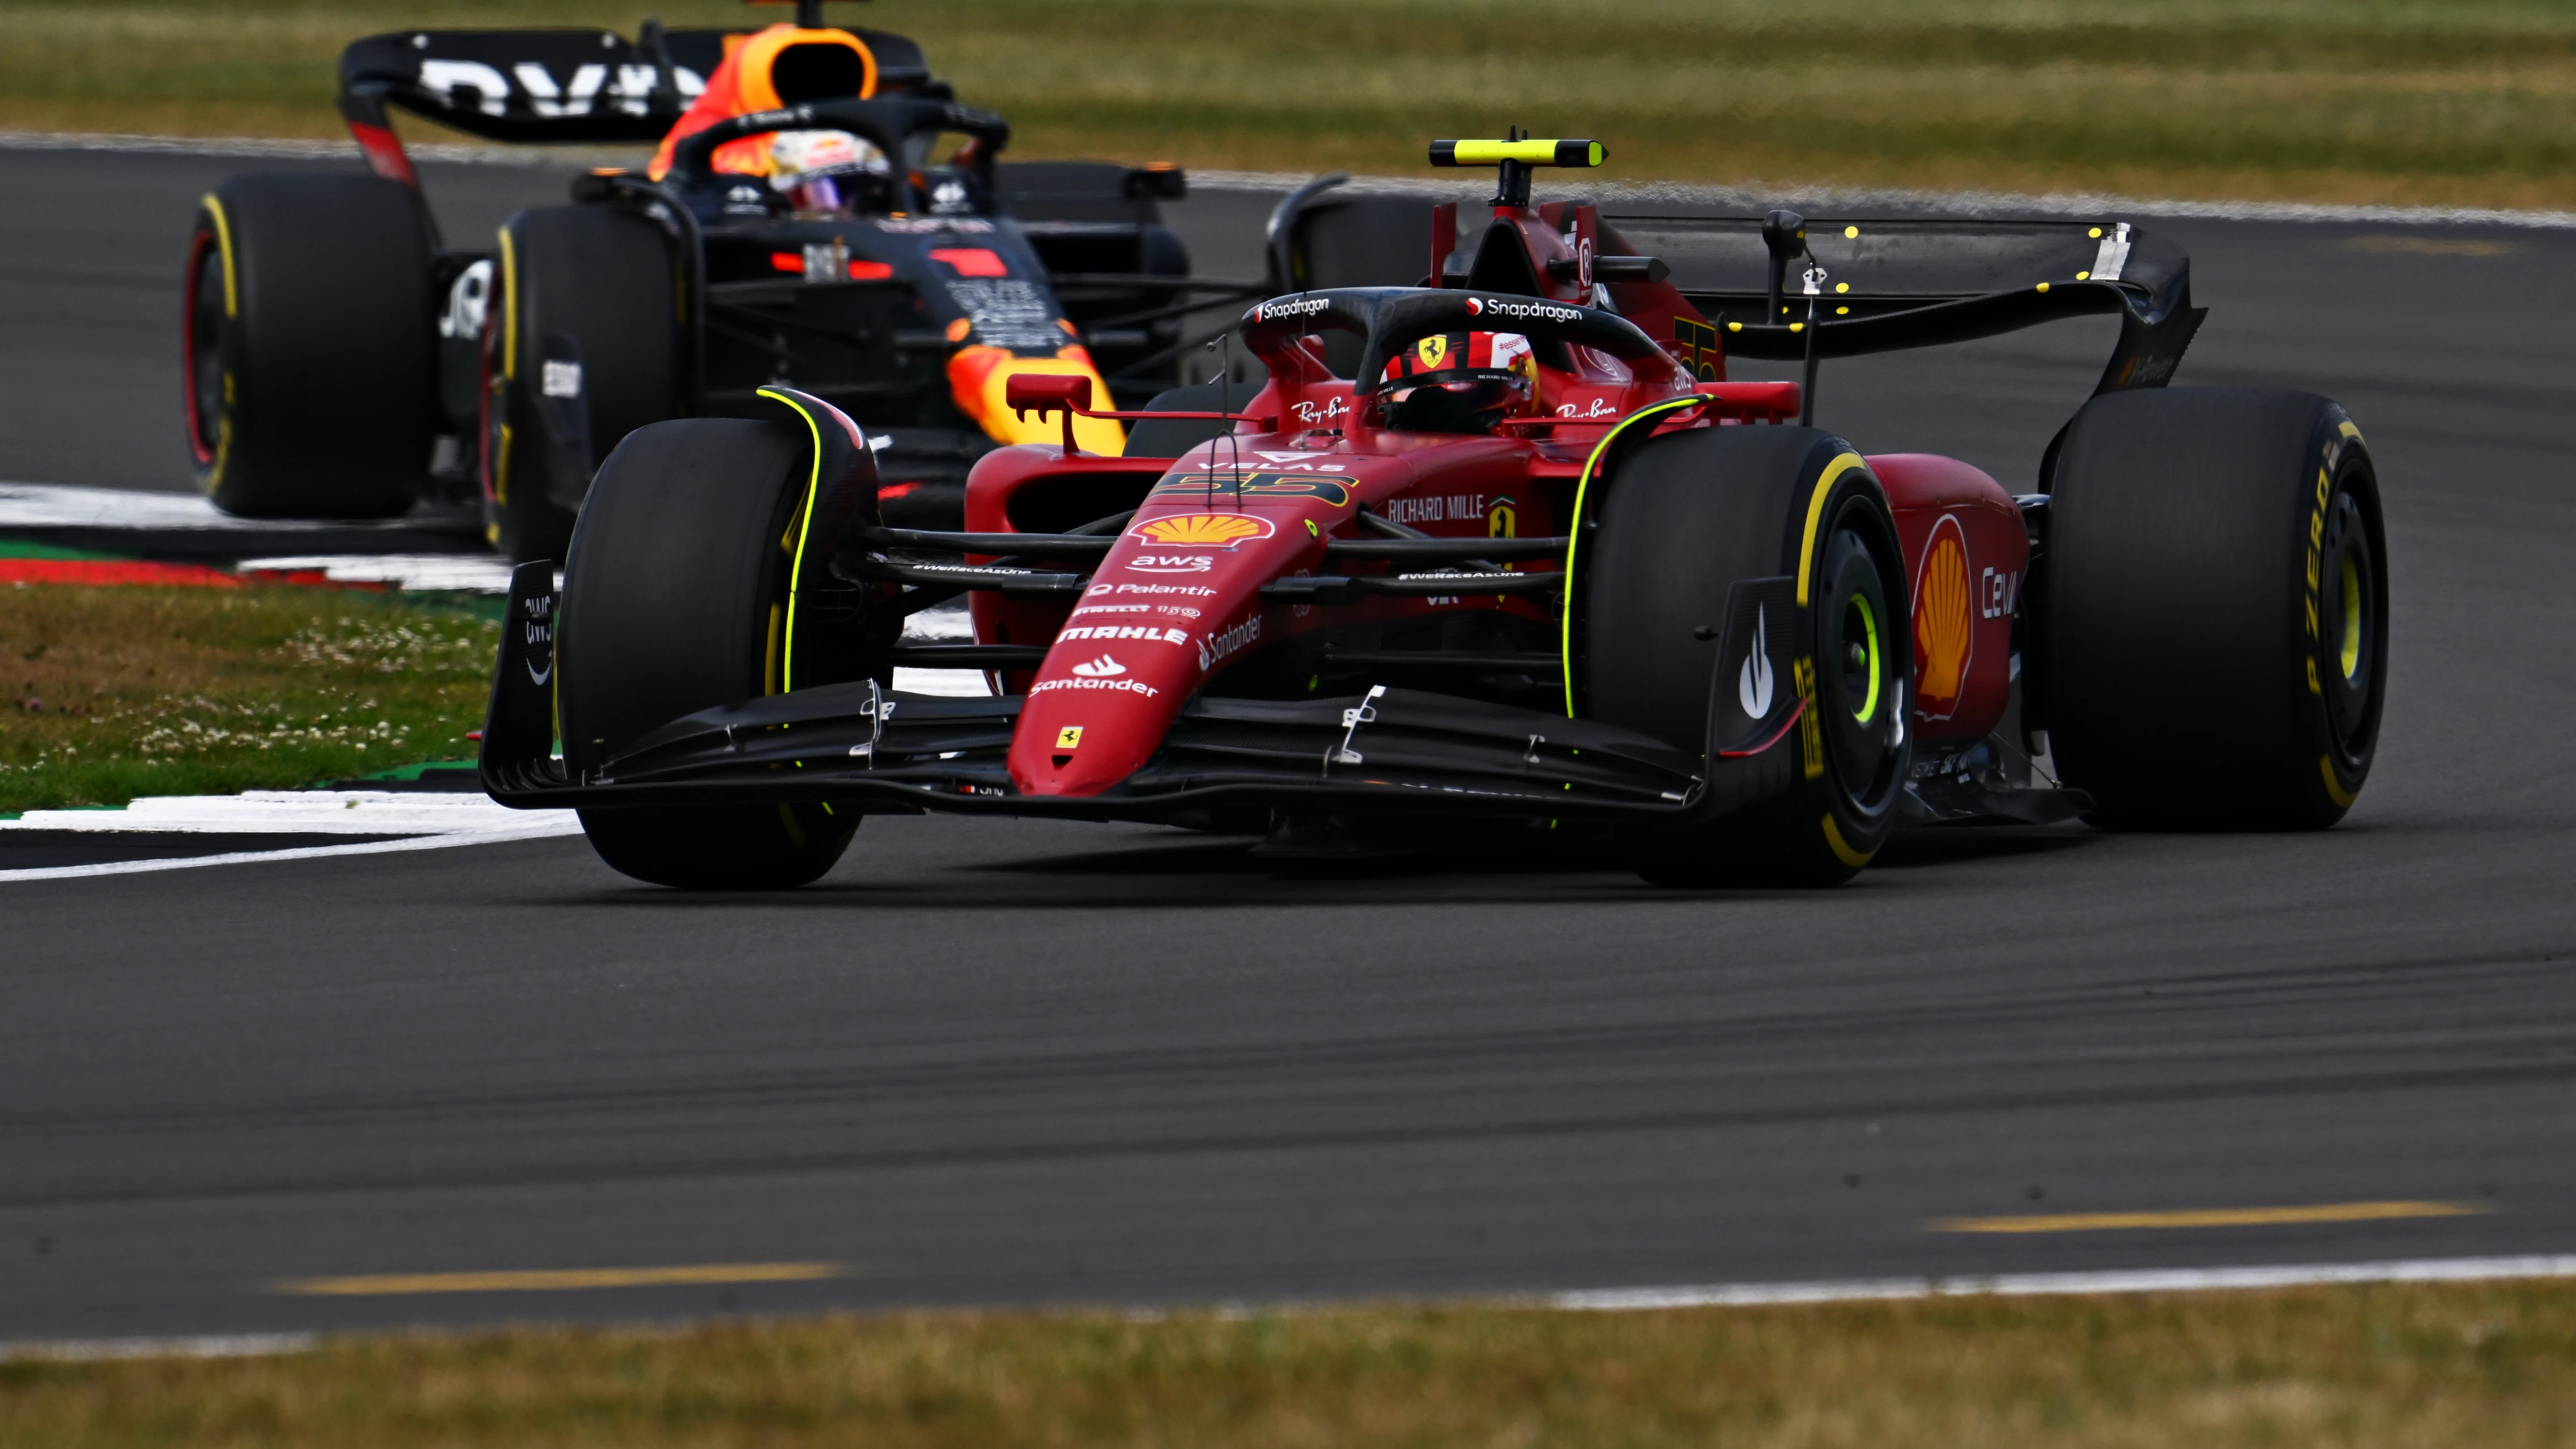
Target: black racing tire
[[1358, 241], [1687, 516], [597, 287], [309, 334], [2212, 610], [671, 604]]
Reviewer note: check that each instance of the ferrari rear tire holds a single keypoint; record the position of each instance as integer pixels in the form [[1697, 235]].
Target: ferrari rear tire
[[309, 336], [1686, 517], [672, 601], [2213, 610], [585, 349]]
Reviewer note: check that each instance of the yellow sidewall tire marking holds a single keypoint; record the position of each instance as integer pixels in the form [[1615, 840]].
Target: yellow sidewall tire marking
[[224, 246], [1841, 848], [1574, 528], [2335, 791], [804, 532], [1842, 463]]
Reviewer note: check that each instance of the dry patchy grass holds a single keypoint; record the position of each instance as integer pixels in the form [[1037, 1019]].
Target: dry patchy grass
[[110, 693], [2435, 101], [2492, 1365]]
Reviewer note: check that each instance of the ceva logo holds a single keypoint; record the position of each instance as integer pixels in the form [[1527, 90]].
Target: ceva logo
[[1100, 668]]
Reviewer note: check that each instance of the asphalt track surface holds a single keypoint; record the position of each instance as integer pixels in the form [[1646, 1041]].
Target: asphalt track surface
[[1001, 1063]]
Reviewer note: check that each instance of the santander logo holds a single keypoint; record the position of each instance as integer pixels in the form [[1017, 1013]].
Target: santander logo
[[1100, 668]]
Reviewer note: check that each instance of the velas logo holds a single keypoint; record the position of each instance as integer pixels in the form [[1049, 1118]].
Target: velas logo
[[1302, 307], [1203, 530], [1269, 487], [1171, 563], [1302, 462], [1100, 668], [1944, 627]]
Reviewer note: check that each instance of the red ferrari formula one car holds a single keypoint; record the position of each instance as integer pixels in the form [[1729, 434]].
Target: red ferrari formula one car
[[1535, 564]]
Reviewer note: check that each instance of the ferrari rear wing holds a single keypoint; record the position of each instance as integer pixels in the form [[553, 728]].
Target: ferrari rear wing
[[554, 86], [1858, 286]]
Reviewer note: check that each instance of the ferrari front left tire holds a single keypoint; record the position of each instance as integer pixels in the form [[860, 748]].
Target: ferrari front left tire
[[672, 603], [1686, 517]]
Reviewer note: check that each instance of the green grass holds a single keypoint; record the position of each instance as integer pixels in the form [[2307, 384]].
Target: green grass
[[2402, 101], [2490, 1365], [111, 693]]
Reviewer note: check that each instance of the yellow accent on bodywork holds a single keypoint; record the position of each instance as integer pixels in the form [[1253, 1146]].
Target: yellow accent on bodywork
[[1533, 153], [1842, 463], [985, 398], [1841, 848], [804, 534], [1574, 530], [509, 307], [224, 247]]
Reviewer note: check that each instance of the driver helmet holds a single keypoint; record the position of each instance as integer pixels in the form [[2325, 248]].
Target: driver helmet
[[820, 171], [1460, 382]]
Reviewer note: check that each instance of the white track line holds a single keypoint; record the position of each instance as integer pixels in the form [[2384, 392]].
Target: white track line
[[2136, 1280], [1748, 198], [1967, 203], [556, 822], [213, 1345], [429, 821], [1622, 1300], [270, 148]]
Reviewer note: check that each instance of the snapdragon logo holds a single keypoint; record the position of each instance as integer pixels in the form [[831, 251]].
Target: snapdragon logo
[[1506, 307], [1302, 307]]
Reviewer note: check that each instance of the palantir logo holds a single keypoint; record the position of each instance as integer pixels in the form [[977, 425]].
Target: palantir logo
[[1100, 668], [1753, 682]]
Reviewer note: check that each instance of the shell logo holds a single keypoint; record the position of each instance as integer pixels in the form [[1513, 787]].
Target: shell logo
[[1944, 625], [1203, 529]]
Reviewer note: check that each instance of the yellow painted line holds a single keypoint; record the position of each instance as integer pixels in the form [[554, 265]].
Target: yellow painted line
[[548, 1280], [2331, 1212]]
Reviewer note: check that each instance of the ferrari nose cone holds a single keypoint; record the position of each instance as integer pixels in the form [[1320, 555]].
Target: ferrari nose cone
[[1100, 706]]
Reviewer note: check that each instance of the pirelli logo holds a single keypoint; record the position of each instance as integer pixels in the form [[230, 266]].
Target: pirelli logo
[[1811, 735]]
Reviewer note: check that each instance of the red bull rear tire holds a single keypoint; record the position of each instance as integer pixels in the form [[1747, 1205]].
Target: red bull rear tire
[[308, 331]]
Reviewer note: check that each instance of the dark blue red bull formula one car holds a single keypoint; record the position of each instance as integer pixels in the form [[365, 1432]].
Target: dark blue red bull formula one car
[[1533, 564]]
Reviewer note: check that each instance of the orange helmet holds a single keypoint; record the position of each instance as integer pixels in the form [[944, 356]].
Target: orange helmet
[[773, 68]]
